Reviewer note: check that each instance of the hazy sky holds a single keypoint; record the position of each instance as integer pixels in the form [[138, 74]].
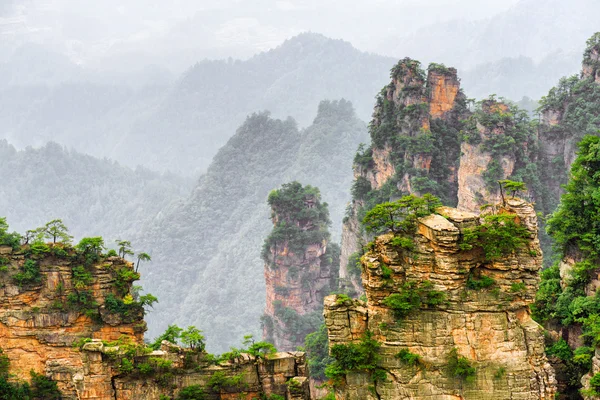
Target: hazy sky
[[178, 32]]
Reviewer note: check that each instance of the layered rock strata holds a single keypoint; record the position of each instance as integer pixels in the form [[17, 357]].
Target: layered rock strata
[[42, 321], [300, 266], [490, 327], [410, 108]]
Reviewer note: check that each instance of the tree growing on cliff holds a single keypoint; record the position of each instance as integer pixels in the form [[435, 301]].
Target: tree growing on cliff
[[171, 334], [56, 230], [511, 186], [124, 248], [91, 245], [192, 337], [576, 222], [142, 257], [401, 215]]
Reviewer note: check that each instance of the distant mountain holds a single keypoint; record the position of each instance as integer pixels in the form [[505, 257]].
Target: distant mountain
[[214, 97], [181, 127], [206, 267], [530, 28], [92, 196], [514, 78]]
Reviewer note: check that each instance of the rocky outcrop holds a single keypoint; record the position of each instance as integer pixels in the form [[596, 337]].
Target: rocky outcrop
[[490, 326], [46, 318], [414, 144], [300, 266], [39, 322], [473, 191]]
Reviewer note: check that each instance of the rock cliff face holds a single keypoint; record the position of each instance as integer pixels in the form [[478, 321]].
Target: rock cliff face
[[414, 147], [43, 318], [567, 113], [300, 266], [489, 325], [38, 326]]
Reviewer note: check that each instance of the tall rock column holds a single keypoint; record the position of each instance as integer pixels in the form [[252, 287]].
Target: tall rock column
[[301, 267], [414, 148]]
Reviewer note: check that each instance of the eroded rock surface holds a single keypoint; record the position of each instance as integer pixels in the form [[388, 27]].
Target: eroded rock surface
[[491, 327]]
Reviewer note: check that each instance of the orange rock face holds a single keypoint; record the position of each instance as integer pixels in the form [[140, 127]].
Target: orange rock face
[[39, 323], [38, 327], [491, 327], [444, 89]]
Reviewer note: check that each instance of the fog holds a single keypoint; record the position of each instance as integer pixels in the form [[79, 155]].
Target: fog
[[175, 34], [168, 123]]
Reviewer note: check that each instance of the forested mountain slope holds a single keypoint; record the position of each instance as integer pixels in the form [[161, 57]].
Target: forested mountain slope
[[149, 121], [92, 196], [206, 267]]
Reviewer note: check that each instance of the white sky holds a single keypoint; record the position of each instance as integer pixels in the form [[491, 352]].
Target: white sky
[[93, 32]]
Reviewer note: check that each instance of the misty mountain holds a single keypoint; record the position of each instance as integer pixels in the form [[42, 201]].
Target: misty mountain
[[93, 197], [520, 76], [529, 28], [180, 128], [206, 267]]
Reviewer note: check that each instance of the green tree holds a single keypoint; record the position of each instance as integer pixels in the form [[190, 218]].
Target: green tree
[[317, 350], [262, 349], [511, 186], [576, 221], [142, 257], [147, 300], [124, 248], [171, 334], [400, 216], [91, 245], [193, 392], [192, 337], [56, 230]]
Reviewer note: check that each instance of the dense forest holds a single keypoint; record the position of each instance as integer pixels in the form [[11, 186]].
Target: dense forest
[[216, 234]]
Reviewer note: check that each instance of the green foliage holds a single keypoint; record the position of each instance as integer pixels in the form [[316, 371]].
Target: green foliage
[[8, 239], [400, 217], [479, 283], [512, 186], [261, 349], [171, 334], [57, 231], [576, 222], [361, 356], [408, 358], [411, 296], [124, 248], [547, 295], [517, 287], [193, 392], [460, 367], [219, 381], [29, 273], [342, 299], [41, 388], [500, 372], [192, 337], [300, 219], [499, 236], [316, 345], [81, 277]]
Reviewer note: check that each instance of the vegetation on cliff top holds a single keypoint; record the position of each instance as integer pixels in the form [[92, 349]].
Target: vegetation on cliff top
[[300, 220], [575, 228], [299, 217], [124, 301]]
